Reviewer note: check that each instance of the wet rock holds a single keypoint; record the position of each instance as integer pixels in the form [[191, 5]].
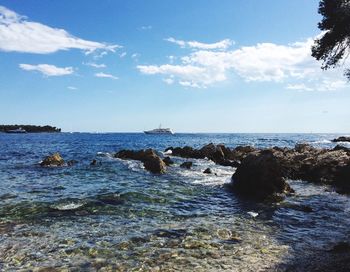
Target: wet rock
[[154, 164], [207, 171], [168, 161], [93, 162], [342, 139], [71, 162], [186, 165], [260, 176], [341, 247], [340, 147], [187, 152], [53, 160], [151, 161], [342, 179]]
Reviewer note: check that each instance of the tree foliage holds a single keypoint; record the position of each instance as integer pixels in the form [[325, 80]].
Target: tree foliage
[[334, 45]]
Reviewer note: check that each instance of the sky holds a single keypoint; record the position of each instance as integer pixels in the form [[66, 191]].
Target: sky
[[191, 65]]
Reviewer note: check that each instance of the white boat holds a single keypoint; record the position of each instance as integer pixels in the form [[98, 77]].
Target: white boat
[[18, 130], [159, 130]]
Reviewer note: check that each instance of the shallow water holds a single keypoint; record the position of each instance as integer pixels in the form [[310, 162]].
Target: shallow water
[[117, 216]]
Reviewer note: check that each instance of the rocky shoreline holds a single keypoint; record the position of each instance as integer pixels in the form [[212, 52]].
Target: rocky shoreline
[[260, 173]]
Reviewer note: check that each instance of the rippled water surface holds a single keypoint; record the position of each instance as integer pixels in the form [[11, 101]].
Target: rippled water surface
[[117, 217]]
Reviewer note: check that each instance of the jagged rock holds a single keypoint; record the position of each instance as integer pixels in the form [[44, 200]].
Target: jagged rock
[[187, 152], [151, 161], [53, 160], [168, 161], [260, 176], [207, 171], [155, 165], [342, 139], [187, 165]]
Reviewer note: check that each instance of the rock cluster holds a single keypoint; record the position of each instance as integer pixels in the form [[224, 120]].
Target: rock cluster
[[342, 139], [217, 153], [151, 161], [262, 173]]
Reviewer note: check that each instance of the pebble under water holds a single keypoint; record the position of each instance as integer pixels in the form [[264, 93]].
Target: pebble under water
[[116, 216]]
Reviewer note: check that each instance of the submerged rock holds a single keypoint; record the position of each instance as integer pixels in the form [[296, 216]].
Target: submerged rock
[[260, 176], [207, 171], [53, 160], [186, 165], [151, 161], [168, 161]]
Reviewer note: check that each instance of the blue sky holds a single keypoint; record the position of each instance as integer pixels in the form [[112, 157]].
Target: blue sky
[[194, 66]]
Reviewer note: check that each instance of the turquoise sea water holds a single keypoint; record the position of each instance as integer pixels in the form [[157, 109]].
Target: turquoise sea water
[[117, 216]]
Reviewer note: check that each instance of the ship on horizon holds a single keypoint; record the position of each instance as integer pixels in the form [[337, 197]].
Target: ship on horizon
[[159, 130]]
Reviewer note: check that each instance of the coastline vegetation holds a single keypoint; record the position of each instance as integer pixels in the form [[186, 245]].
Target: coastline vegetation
[[30, 128]]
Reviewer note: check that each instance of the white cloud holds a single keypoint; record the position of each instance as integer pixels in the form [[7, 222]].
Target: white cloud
[[146, 27], [224, 44], [95, 65], [265, 62], [168, 81], [47, 69], [20, 35], [104, 75], [122, 55], [72, 88]]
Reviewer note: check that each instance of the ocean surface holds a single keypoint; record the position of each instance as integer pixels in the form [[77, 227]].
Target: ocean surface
[[116, 216]]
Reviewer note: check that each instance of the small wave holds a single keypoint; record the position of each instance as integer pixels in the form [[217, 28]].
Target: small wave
[[68, 206], [324, 141], [104, 154]]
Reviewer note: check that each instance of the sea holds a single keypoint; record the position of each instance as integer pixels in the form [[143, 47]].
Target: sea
[[116, 216]]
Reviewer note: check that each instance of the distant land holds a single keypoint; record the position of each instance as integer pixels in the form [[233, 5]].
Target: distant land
[[29, 128]]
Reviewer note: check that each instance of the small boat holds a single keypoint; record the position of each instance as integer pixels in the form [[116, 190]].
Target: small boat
[[18, 130], [159, 130]]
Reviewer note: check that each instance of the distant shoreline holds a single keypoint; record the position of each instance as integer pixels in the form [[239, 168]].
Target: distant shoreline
[[30, 128]]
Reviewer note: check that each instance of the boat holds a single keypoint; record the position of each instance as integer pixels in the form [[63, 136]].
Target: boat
[[18, 130], [159, 130]]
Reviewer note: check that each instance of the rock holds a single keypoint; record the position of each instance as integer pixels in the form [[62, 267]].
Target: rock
[[154, 164], [187, 165], [340, 147], [151, 161], [207, 171], [342, 139], [71, 162], [240, 152], [94, 162], [53, 160], [260, 176], [187, 152], [168, 161], [341, 247], [342, 179]]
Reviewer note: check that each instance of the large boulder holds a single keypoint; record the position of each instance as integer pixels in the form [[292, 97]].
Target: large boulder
[[53, 160], [151, 161], [260, 176], [342, 179], [186, 165], [154, 164]]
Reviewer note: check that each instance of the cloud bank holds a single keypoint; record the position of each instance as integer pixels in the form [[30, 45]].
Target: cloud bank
[[18, 34], [290, 64]]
